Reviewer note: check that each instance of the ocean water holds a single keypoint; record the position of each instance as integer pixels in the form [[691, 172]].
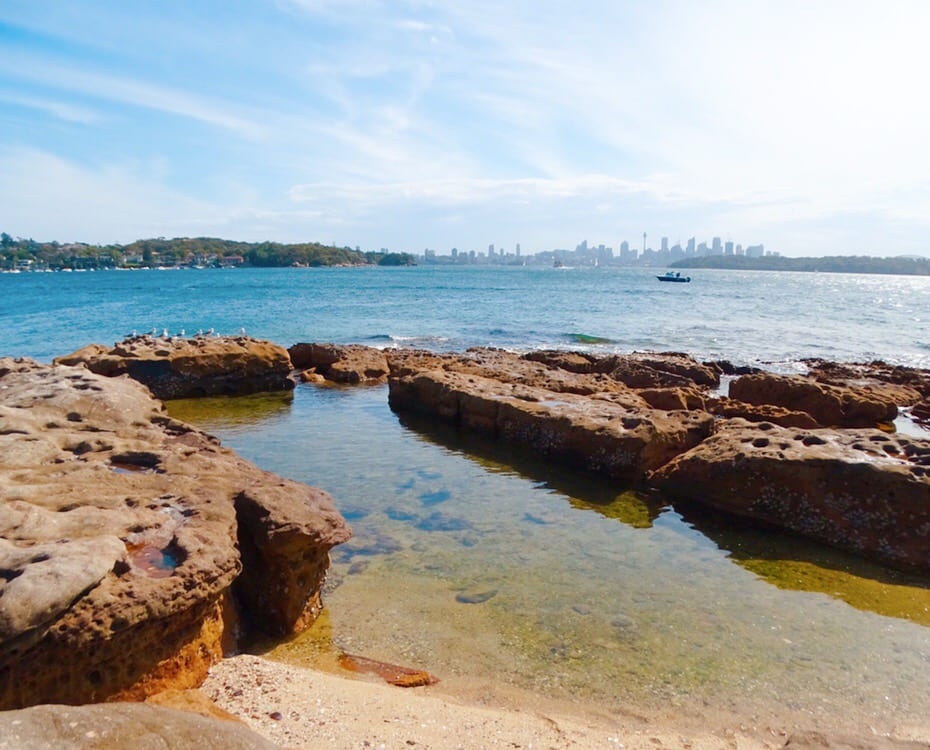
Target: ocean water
[[747, 317], [516, 582]]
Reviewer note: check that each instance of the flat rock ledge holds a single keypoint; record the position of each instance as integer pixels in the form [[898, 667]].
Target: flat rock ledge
[[177, 367], [120, 537]]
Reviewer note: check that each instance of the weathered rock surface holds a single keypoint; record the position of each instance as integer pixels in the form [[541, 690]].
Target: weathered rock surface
[[341, 364], [860, 490], [122, 725], [612, 432], [190, 367], [507, 367], [118, 541], [903, 385], [730, 408], [829, 405], [637, 370]]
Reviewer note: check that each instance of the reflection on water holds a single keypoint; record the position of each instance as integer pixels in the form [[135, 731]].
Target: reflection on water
[[584, 491], [795, 564], [224, 413], [489, 569]]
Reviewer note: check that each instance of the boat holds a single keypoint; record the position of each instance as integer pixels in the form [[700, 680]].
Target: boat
[[674, 276]]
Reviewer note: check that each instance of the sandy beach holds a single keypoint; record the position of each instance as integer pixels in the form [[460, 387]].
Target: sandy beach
[[303, 708]]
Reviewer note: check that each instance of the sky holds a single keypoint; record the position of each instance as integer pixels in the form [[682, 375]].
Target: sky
[[436, 124]]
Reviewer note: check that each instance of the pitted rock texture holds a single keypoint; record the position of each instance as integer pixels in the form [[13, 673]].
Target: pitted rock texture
[[903, 385], [341, 364], [122, 725], [191, 367], [859, 490], [612, 433], [637, 369], [829, 405], [729, 407], [118, 539]]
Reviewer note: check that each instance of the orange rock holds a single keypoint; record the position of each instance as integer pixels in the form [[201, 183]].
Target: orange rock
[[201, 366]]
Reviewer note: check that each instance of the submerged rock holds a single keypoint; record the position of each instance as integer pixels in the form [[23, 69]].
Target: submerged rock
[[199, 366], [118, 541], [859, 490]]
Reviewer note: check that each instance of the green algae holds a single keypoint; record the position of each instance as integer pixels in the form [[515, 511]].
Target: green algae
[[636, 509], [905, 600], [223, 412]]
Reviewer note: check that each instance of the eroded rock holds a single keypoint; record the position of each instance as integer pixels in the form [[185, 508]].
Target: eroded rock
[[859, 490], [829, 405], [341, 364], [598, 434], [118, 539], [190, 367]]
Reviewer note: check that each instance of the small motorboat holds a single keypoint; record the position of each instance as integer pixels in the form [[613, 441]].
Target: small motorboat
[[674, 276]]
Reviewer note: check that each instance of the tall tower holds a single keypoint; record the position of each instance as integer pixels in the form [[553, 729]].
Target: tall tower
[[644, 243]]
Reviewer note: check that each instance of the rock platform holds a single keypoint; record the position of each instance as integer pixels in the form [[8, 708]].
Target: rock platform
[[120, 538], [177, 367]]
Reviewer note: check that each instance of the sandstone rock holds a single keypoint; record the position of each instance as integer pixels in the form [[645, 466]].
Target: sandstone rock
[[859, 490], [122, 725], [341, 364], [637, 370], [507, 367], [670, 399], [596, 434], [921, 411], [829, 405], [118, 539], [726, 367], [678, 364], [577, 362], [730, 408], [199, 366], [282, 526], [903, 385]]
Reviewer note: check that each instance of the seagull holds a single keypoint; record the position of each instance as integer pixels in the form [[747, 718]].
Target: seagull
[[182, 332], [165, 334], [242, 331]]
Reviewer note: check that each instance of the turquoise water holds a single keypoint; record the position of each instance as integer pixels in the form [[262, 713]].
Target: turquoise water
[[514, 581], [742, 316], [517, 582]]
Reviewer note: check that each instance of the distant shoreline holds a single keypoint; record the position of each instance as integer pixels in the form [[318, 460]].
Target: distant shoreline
[[826, 264]]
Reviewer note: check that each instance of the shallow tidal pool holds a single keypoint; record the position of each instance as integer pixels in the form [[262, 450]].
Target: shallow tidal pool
[[513, 580]]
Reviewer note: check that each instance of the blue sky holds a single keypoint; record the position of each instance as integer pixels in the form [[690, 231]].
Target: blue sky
[[440, 124]]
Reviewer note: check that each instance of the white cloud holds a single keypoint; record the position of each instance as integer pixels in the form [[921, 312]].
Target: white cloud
[[108, 87]]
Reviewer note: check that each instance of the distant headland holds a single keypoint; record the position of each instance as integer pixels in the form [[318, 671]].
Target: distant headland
[[184, 252]]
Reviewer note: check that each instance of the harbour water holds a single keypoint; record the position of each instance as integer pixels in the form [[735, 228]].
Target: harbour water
[[510, 579], [743, 316]]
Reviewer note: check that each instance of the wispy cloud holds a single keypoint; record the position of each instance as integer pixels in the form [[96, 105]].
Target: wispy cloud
[[773, 119], [62, 110], [108, 87]]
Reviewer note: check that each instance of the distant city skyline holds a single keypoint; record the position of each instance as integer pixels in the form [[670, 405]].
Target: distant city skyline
[[586, 253], [410, 125]]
